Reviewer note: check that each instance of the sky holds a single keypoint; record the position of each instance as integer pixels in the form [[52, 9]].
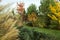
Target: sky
[[26, 5]]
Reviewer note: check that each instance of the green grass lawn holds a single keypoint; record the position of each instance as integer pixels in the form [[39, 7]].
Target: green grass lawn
[[55, 33]]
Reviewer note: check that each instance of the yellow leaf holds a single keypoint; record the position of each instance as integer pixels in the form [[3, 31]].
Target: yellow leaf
[[54, 17]]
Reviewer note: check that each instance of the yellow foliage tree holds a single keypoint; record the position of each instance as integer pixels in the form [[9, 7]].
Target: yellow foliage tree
[[55, 12], [32, 17]]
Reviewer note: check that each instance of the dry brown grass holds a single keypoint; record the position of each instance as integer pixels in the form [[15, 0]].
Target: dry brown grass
[[8, 31]]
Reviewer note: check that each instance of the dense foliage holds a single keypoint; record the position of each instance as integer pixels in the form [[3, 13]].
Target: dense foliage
[[13, 25], [55, 15], [30, 34]]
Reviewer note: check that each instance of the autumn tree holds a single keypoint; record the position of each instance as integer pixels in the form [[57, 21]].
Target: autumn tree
[[55, 13], [32, 14], [20, 8], [21, 11]]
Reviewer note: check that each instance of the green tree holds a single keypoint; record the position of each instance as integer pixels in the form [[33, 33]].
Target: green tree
[[44, 9], [31, 8], [32, 14]]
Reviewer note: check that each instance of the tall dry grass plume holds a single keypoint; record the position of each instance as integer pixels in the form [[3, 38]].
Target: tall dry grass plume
[[8, 31]]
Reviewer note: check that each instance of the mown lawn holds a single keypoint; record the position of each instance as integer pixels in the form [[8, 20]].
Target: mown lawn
[[50, 32]]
